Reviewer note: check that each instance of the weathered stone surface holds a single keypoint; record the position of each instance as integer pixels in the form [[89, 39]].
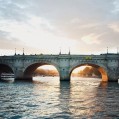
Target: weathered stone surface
[[24, 65]]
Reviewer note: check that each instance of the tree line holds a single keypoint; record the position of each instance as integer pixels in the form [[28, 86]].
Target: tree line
[[45, 72], [86, 72], [89, 72]]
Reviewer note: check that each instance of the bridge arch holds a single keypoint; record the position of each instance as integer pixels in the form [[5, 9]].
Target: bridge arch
[[29, 69], [101, 69], [5, 68]]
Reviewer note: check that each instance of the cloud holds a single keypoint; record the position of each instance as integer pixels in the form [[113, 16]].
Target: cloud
[[13, 10], [114, 27], [49, 24], [37, 33], [3, 33], [91, 38], [116, 7]]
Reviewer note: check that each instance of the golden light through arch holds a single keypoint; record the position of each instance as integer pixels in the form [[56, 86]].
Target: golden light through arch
[[47, 67], [86, 71], [47, 70], [78, 69]]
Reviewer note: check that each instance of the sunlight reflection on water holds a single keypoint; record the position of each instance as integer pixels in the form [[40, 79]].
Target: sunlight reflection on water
[[47, 97]]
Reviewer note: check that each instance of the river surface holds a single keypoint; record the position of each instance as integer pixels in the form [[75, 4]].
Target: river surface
[[47, 98]]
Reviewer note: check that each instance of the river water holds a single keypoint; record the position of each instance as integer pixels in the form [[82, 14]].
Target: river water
[[47, 98]]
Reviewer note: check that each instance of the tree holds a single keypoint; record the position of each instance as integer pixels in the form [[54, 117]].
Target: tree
[[89, 72]]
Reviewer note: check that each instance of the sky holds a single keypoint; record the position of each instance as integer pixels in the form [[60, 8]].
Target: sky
[[48, 26]]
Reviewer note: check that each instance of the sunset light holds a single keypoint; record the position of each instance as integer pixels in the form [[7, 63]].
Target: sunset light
[[78, 69], [59, 59], [47, 67], [53, 29]]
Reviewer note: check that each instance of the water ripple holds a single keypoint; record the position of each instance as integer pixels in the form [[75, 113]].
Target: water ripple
[[50, 99]]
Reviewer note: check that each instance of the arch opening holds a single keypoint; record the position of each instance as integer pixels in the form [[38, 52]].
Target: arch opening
[[6, 73], [90, 71], [37, 70]]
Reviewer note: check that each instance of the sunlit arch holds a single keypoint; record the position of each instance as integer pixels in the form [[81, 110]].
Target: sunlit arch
[[29, 70], [101, 69]]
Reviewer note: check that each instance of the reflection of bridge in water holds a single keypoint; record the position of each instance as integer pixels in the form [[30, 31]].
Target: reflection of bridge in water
[[23, 66]]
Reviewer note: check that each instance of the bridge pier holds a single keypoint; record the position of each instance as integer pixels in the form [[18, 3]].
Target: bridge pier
[[64, 75], [19, 76], [24, 79], [113, 77], [64, 79], [28, 78]]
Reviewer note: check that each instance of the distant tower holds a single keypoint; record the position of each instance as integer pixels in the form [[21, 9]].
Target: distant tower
[[15, 51]]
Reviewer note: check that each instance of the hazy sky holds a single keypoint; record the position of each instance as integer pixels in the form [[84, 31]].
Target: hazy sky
[[46, 26]]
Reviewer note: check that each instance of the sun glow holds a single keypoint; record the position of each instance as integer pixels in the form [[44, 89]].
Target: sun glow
[[38, 33], [78, 69], [47, 67]]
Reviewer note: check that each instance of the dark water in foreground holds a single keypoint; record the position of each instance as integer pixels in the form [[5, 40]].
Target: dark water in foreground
[[50, 99]]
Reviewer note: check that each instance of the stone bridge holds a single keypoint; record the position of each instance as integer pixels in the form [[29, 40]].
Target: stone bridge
[[23, 66]]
